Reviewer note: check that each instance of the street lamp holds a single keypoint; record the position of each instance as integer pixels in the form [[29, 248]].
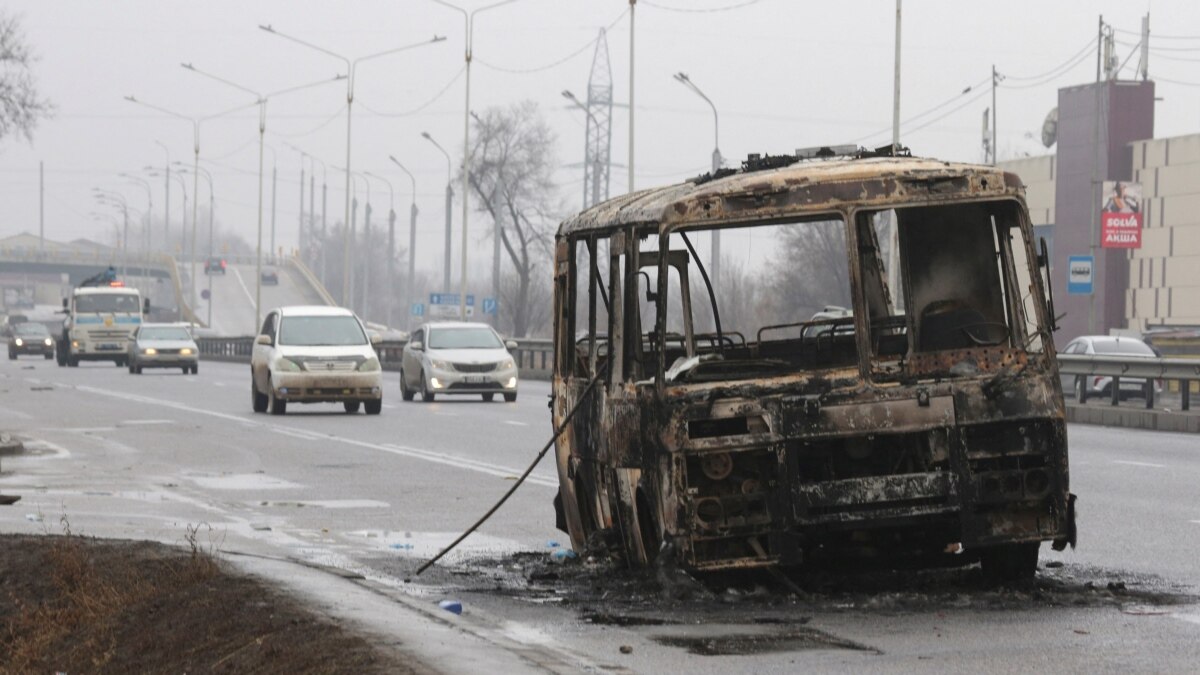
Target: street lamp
[[154, 173], [117, 199], [262, 129], [195, 183], [469, 31], [351, 66], [412, 233], [211, 209], [391, 245], [166, 198], [683, 79], [149, 208], [449, 208], [595, 187]]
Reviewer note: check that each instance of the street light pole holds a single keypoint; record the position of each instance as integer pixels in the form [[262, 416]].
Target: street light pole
[[469, 31], [351, 66], [391, 246], [595, 186], [261, 102], [715, 261], [211, 210], [412, 236], [149, 210], [117, 199], [449, 209], [632, 12], [166, 199]]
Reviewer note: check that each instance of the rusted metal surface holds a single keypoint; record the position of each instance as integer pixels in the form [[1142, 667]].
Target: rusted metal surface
[[959, 444]]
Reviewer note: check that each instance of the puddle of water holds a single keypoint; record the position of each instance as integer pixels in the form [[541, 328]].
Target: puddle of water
[[243, 481], [427, 544]]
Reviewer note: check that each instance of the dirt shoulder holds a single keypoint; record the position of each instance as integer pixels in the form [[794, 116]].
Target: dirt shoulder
[[77, 604]]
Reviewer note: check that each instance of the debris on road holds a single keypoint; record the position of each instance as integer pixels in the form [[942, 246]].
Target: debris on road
[[452, 606]]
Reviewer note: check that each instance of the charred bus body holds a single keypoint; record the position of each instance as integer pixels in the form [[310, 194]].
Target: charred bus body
[[868, 371]]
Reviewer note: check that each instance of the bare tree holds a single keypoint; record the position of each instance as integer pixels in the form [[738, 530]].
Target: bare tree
[[512, 167], [20, 104]]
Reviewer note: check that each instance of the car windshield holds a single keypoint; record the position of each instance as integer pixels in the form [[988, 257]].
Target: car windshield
[[31, 329], [115, 302], [313, 331], [464, 338], [164, 333], [1122, 347]]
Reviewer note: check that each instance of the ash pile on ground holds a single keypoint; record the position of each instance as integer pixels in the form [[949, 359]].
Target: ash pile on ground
[[602, 591]]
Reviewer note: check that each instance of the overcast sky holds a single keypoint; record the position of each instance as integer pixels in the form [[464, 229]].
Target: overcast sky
[[783, 74]]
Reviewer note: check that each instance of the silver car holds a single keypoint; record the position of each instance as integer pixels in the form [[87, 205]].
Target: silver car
[[163, 345], [1101, 385], [458, 358]]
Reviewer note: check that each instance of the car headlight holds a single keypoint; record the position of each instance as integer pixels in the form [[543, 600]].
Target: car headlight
[[149, 351], [186, 351], [369, 366], [49, 342], [439, 364], [19, 342], [508, 364], [287, 366]]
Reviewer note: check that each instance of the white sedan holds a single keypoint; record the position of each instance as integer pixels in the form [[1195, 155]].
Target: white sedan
[[458, 358]]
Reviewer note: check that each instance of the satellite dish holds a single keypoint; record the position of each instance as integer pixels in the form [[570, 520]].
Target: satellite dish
[[1050, 128]]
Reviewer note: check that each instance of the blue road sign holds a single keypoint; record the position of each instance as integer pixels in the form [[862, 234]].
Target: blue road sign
[[490, 305], [1081, 272], [418, 309], [449, 299]]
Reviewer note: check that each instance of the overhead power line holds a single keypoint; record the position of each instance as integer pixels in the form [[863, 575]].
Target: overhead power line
[[557, 62], [701, 10], [928, 111], [412, 111], [1053, 72]]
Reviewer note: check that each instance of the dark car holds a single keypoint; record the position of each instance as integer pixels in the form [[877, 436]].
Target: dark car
[[270, 277], [214, 265], [30, 338]]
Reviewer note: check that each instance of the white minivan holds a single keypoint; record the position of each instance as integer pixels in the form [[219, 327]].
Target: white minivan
[[315, 355]]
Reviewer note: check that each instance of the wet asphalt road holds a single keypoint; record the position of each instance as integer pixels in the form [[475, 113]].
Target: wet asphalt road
[[145, 456]]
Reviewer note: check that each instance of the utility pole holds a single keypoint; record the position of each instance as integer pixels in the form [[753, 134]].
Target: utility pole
[[166, 200], [312, 221], [300, 232], [324, 224], [41, 208], [632, 8], [274, 184], [896, 88], [366, 284], [1144, 58], [994, 116], [1092, 225]]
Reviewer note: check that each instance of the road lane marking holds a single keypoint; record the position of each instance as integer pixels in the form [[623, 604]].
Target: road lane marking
[[249, 298], [130, 423], [415, 453], [516, 423], [1145, 464]]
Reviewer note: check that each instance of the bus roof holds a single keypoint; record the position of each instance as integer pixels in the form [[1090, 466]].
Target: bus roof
[[813, 185]]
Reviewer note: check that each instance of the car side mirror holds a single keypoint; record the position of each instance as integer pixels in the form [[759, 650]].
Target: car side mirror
[[511, 345], [65, 303], [376, 338], [417, 346], [264, 340]]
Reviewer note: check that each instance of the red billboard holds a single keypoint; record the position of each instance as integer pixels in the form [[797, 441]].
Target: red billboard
[[1121, 218]]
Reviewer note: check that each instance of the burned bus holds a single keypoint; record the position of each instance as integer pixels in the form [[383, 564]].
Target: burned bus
[[817, 357]]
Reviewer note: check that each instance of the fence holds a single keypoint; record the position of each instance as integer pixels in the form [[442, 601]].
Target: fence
[[1149, 369], [534, 356]]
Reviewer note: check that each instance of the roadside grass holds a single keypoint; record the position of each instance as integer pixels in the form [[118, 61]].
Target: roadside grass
[[70, 603]]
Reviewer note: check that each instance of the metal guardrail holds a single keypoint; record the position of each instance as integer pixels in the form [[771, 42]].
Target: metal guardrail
[[534, 356], [1150, 369]]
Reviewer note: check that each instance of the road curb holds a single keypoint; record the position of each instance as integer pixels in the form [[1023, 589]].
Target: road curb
[[1153, 420]]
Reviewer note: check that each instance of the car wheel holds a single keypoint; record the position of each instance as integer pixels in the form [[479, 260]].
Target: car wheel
[[488, 397], [196, 369], [373, 407], [131, 368], [257, 401], [48, 356], [426, 395], [73, 361], [275, 405], [350, 406], [405, 392], [510, 398], [12, 356], [137, 370]]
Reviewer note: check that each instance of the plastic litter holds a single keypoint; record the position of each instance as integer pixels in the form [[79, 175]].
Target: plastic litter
[[551, 544], [402, 547], [562, 555], [452, 606], [33, 517]]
